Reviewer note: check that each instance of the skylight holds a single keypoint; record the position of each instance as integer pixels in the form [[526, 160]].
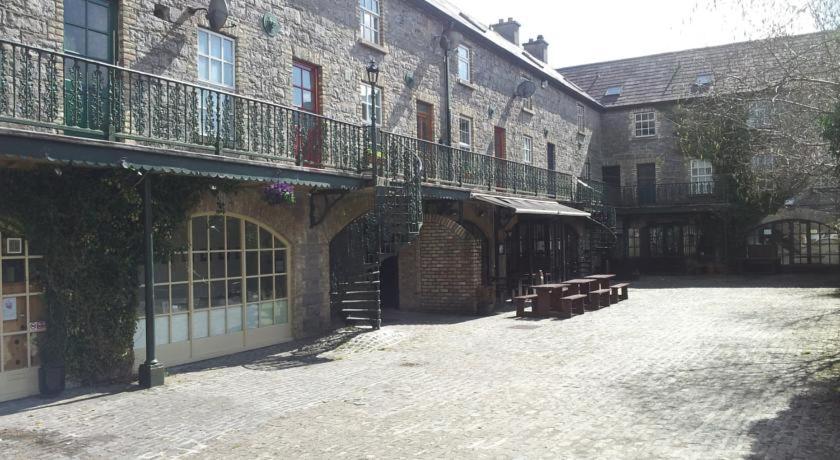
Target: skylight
[[613, 91], [703, 80]]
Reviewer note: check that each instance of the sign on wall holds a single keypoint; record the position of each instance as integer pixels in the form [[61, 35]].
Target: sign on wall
[[9, 309]]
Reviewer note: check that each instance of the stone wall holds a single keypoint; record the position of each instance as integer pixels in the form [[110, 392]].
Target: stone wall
[[325, 33], [622, 148], [441, 271]]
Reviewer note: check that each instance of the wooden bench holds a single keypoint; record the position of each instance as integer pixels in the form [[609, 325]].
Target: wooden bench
[[519, 303], [599, 298], [619, 292], [572, 304]]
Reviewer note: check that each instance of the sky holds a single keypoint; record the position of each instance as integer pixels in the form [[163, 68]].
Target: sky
[[580, 32]]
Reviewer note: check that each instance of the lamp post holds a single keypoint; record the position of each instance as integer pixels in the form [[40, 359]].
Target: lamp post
[[373, 77]]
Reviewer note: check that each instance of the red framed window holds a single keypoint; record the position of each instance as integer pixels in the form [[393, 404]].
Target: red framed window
[[305, 87]]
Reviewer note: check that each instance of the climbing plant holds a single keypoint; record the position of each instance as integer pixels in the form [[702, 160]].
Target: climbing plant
[[88, 225]]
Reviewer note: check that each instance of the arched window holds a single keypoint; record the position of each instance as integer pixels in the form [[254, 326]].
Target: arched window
[[22, 312], [232, 277], [795, 242]]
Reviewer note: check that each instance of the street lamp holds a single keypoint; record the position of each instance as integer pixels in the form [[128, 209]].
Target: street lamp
[[373, 77]]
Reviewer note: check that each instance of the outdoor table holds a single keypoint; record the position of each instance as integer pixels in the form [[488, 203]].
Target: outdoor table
[[583, 285], [548, 295], [603, 280]]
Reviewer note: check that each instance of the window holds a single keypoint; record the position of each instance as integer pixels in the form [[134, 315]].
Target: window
[[22, 311], [367, 103], [702, 177], [232, 278], [527, 149], [465, 132], [645, 124], [528, 102], [216, 59], [703, 80], [633, 242], [758, 115], [88, 28], [464, 63], [613, 91], [305, 86], [370, 20], [763, 161], [581, 118]]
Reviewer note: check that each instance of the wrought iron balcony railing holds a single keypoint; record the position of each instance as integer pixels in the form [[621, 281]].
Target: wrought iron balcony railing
[[62, 93], [83, 97], [714, 191], [456, 167]]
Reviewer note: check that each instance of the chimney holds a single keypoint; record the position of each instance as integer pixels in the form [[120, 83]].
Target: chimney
[[508, 29], [538, 48]]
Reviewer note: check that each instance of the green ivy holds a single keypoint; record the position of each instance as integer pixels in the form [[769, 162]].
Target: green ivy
[[88, 225], [830, 124]]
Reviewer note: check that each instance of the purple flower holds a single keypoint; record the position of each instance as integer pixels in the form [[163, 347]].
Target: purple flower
[[279, 192]]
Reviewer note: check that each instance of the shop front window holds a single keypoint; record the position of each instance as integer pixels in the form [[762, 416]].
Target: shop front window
[[23, 309], [231, 277]]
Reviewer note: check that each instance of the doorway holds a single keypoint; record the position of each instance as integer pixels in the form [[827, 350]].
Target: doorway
[[499, 147], [646, 182], [389, 279]]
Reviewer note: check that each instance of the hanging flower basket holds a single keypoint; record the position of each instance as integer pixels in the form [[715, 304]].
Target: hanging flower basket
[[279, 193]]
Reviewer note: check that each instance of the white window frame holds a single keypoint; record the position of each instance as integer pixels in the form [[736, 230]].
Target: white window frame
[[527, 149], [581, 118], [370, 21], [702, 177], [758, 114], [465, 138], [464, 54], [222, 60], [644, 124], [365, 100]]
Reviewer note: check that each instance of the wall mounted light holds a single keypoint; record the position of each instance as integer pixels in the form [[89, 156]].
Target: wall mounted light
[[490, 112]]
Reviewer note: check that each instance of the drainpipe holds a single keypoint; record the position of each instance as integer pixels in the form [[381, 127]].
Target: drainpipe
[[448, 95]]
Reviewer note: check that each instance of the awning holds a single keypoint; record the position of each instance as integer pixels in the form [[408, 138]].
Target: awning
[[530, 206]]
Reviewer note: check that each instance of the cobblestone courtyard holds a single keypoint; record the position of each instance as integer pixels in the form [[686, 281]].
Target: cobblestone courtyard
[[687, 368]]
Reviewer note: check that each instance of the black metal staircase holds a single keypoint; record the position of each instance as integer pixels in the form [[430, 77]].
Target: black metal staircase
[[395, 221]]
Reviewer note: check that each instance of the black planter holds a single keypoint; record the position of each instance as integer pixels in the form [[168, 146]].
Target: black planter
[[51, 379]]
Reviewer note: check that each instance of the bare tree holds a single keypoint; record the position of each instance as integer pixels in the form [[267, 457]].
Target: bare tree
[[773, 105]]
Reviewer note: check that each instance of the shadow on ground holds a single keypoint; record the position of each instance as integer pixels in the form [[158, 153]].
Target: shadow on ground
[[810, 426], [822, 280]]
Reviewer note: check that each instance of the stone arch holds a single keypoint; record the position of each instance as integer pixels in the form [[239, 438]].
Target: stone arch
[[441, 270]]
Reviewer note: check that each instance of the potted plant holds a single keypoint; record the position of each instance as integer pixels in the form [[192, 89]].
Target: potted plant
[[279, 193]]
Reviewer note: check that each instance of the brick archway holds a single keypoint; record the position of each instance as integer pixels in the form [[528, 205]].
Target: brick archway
[[441, 270]]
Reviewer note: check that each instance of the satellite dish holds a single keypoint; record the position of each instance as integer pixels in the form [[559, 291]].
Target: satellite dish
[[526, 89], [217, 14], [451, 39]]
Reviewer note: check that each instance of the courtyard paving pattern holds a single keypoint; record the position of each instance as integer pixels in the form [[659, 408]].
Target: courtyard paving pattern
[[687, 368]]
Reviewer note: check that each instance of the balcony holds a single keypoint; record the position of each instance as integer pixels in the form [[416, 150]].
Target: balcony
[[57, 93], [711, 192]]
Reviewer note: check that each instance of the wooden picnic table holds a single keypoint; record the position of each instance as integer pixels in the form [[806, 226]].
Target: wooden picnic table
[[582, 285], [603, 280], [548, 296]]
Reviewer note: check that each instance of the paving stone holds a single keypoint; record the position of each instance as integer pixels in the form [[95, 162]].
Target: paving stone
[[686, 368]]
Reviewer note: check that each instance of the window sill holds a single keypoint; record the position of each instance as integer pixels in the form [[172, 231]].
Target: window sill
[[529, 111], [467, 84], [371, 45], [643, 138]]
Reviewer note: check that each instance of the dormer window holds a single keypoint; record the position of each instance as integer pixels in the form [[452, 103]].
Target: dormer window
[[613, 91]]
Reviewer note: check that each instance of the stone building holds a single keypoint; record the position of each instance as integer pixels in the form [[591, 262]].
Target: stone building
[[674, 211], [472, 190]]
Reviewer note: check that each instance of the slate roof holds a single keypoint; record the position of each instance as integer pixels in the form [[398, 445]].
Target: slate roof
[[508, 48], [736, 67]]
